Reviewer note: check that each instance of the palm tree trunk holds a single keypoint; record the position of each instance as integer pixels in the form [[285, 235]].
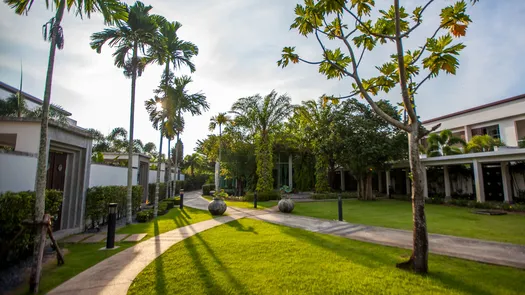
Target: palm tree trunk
[[41, 170], [168, 170], [157, 183], [218, 164], [131, 125], [176, 162]]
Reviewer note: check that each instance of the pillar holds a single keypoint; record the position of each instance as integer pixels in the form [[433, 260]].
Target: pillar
[[290, 171], [387, 182], [380, 181], [343, 186], [507, 186], [468, 133], [425, 182], [447, 183], [478, 181], [407, 182]]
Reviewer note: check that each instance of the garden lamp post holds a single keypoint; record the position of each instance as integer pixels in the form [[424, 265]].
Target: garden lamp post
[[112, 224]]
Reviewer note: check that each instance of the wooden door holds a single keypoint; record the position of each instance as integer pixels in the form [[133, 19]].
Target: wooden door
[[56, 176]]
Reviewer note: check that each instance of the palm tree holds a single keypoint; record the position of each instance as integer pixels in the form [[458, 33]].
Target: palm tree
[[443, 144], [172, 51], [157, 116], [112, 11], [482, 143], [219, 120], [138, 32], [261, 115], [193, 161], [117, 139], [180, 101]]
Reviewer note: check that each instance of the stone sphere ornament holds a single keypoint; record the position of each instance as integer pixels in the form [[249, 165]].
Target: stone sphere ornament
[[217, 206], [286, 205]]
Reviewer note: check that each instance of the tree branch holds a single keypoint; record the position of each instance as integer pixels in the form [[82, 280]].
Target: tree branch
[[423, 81], [309, 62], [402, 70], [425, 46], [324, 51], [419, 20], [368, 30], [427, 132]]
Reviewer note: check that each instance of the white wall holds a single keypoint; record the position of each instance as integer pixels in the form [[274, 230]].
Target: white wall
[[17, 173], [27, 135], [102, 175], [153, 176]]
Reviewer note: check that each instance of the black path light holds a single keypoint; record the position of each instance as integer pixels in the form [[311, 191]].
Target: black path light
[[255, 200], [340, 207], [181, 198], [112, 224]]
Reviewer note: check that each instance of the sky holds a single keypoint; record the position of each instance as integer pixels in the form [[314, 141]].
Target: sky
[[239, 43]]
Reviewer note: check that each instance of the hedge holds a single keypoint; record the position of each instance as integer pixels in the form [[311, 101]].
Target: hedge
[[14, 208], [164, 207], [470, 204], [195, 182], [324, 196], [207, 188], [99, 197], [162, 190], [263, 196]]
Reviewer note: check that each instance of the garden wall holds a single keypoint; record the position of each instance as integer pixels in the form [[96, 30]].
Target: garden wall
[[104, 175], [17, 172]]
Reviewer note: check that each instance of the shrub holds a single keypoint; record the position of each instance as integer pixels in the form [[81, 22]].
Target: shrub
[[178, 185], [195, 182], [14, 208], [323, 196], [207, 188], [151, 191], [99, 197], [145, 215], [263, 196]]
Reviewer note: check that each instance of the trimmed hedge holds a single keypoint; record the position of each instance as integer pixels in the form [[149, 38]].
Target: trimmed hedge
[[263, 196], [164, 207], [207, 188], [162, 190], [14, 208], [195, 182], [99, 197], [470, 204], [324, 196]]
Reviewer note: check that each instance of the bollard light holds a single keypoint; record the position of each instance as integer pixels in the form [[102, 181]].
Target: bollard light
[[255, 200], [340, 207], [181, 198], [112, 224]]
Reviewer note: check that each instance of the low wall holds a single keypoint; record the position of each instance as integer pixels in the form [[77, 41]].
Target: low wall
[[102, 175], [17, 172]]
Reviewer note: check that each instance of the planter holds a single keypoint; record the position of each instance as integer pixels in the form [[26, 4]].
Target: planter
[[217, 206], [286, 205]]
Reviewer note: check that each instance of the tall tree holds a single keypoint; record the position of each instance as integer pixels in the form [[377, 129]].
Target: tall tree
[[261, 115], [443, 143], [219, 120], [131, 38], [359, 27], [53, 32], [176, 53]]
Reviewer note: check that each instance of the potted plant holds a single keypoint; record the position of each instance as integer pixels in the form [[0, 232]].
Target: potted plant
[[217, 206], [286, 204]]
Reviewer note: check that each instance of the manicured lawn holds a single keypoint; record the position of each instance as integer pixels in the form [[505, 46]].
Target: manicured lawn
[[253, 257], [448, 220], [79, 258], [249, 205], [173, 219]]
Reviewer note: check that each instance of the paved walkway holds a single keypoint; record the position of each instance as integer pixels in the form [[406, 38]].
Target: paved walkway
[[471, 249]]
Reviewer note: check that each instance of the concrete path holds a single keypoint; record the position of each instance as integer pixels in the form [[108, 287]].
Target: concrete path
[[115, 274], [471, 249]]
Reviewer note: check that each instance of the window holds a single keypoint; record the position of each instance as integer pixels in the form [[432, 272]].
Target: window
[[7, 141], [490, 130]]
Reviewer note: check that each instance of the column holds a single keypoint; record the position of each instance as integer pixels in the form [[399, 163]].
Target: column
[[290, 171], [425, 182], [343, 186], [507, 186], [478, 181], [407, 182], [379, 181], [447, 183], [468, 133], [388, 182]]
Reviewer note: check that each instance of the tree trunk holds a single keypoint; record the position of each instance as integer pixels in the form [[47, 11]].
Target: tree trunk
[[369, 193], [176, 162], [218, 163], [167, 175], [157, 183], [131, 125], [419, 259], [41, 170]]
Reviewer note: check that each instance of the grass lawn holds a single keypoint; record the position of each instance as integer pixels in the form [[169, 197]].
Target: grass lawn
[[249, 205], [448, 220], [253, 257], [173, 219]]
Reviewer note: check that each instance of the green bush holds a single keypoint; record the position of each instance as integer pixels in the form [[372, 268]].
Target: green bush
[[263, 196], [195, 182], [178, 185], [145, 215], [345, 195], [207, 188], [151, 191], [14, 208], [99, 197]]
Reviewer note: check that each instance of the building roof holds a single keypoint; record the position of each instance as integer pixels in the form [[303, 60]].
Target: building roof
[[488, 105], [31, 97]]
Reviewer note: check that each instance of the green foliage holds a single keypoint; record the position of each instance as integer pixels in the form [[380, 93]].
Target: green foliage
[[321, 174], [145, 215], [222, 194], [15, 208], [324, 196], [443, 144], [263, 196], [521, 143], [482, 143], [99, 197], [207, 188], [264, 156]]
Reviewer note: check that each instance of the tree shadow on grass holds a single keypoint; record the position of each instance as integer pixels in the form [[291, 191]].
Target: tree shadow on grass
[[160, 278], [369, 258], [239, 227]]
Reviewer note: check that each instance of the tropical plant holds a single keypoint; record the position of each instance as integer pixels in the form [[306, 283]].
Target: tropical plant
[[443, 144], [193, 162], [218, 120], [482, 143], [261, 115], [359, 26], [112, 11], [13, 107], [130, 38]]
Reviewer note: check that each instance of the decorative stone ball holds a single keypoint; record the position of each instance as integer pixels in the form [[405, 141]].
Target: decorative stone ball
[[286, 205], [217, 207]]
